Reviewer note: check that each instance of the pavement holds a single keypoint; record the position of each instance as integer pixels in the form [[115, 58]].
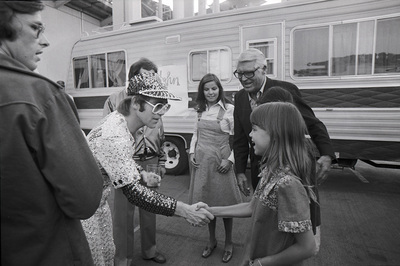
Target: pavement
[[360, 223]]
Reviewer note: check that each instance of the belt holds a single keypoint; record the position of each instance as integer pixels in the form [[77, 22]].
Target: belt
[[145, 157]]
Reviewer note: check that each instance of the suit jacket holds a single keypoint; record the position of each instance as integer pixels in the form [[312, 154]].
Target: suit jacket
[[242, 141], [49, 177]]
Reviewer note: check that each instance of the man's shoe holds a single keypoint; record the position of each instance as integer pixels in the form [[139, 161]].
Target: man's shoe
[[159, 258]]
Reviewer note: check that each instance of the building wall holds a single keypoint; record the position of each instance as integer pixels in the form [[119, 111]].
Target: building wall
[[64, 27]]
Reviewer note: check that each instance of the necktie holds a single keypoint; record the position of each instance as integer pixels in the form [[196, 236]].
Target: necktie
[[253, 99]]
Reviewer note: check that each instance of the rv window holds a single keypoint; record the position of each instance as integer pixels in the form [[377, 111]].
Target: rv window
[[98, 71], [216, 61], [106, 70], [116, 69], [344, 49], [352, 51], [198, 65], [268, 49], [311, 52], [387, 54], [81, 72], [365, 47]]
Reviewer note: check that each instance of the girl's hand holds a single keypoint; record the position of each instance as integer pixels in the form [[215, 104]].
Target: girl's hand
[[193, 160], [225, 166]]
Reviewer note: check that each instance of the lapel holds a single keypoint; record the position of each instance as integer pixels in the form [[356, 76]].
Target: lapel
[[268, 84], [244, 114]]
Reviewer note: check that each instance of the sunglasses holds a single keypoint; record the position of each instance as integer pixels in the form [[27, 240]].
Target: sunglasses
[[159, 108]]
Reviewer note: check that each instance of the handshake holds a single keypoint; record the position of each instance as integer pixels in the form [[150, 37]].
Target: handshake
[[195, 214]]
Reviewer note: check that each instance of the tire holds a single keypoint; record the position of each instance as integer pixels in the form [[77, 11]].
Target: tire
[[177, 157]]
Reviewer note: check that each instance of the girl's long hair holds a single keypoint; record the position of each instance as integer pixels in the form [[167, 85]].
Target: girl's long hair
[[288, 145], [201, 99]]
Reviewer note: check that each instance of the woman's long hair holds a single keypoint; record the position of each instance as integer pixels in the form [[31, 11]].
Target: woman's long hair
[[288, 145], [201, 99]]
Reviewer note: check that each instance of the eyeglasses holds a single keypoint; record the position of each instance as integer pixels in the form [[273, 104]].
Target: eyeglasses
[[39, 28], [248, 74], [159, 108]]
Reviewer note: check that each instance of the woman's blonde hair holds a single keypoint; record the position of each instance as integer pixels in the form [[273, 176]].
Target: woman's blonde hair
[[288, 145]]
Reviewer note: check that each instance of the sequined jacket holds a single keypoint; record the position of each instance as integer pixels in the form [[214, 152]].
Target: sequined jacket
[[113, 147], [49, 178]]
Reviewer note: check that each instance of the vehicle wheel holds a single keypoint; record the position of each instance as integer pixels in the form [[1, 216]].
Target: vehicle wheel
[[177, 158]]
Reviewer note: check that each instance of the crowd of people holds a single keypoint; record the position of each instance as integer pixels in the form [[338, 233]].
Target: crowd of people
[[57, 183]]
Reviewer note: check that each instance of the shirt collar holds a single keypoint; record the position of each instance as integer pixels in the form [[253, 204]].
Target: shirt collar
[[218, 103], [261, 91]]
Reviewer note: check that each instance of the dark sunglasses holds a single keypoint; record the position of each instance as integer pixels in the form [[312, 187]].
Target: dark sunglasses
[[248, 74]]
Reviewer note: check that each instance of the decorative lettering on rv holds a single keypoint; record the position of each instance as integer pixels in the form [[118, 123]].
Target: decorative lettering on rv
[[169, 79]]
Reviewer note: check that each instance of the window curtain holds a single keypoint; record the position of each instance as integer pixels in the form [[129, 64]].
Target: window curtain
[[116, 69]]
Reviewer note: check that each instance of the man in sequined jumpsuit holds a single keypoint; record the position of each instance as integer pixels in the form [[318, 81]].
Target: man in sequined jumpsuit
[[111, 143], [148, 150]]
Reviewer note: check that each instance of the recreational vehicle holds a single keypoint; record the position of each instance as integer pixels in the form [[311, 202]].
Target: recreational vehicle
[[344, 55]]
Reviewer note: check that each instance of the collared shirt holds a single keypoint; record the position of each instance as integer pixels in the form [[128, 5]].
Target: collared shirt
[[226, 123], [253, 102], [152, 140]]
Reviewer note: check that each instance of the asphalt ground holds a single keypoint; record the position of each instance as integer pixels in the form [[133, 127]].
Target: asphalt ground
[[360, 223]]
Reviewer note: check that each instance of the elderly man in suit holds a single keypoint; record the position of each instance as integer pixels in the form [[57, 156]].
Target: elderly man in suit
[[251, 71]]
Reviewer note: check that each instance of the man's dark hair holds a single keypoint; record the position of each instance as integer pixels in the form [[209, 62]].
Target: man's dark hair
[[8, 9], [124, 106], [141, 63]]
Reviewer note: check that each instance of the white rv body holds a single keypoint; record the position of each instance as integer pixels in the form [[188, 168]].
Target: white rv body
[[360, 111]]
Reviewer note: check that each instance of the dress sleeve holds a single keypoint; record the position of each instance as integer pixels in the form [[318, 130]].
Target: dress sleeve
[[293, 206]]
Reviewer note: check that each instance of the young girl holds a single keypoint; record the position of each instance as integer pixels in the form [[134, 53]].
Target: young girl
[[281, 229], [213, 179]]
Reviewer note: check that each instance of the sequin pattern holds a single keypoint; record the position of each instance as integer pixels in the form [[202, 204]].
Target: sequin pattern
[[150, 200], [99, 232], [113, 147]]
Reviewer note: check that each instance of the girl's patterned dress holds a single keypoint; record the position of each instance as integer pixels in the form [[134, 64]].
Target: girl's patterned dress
[[281, 210]]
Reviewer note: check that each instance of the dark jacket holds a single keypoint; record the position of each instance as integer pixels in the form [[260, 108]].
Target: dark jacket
[[242, 140], [49, 178]]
